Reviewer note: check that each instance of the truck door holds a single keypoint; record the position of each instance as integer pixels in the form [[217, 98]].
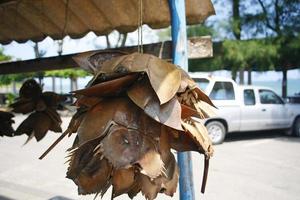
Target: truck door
[[249, 112], [224, 97], [273, 114]]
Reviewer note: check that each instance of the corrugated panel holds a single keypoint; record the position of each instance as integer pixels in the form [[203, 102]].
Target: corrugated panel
[[34, 20]]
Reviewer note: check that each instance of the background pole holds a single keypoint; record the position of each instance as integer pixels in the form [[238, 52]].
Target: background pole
[[179, 51]]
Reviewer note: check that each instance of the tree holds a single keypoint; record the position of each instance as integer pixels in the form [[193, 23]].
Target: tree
[[280, 21]]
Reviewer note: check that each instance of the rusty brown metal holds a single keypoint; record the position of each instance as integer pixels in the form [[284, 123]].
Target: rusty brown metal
[[128, 135]]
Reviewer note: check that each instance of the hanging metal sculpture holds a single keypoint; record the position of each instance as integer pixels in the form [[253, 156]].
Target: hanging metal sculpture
[[42, 108], [133, 112], [6, 122]]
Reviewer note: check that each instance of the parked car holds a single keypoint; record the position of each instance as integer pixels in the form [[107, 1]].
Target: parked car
[[246, 108], [293, 99]]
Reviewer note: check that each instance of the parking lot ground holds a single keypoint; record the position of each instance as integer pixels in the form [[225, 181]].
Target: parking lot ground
[[248, 166]]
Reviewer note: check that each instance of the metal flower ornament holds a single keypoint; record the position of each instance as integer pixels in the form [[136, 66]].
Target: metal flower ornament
[[41, 107], [133, 112]]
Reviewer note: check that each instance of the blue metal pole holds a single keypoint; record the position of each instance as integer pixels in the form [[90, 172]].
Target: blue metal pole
[[179, 42]]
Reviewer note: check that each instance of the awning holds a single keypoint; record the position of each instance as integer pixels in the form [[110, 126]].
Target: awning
[[23, 20]]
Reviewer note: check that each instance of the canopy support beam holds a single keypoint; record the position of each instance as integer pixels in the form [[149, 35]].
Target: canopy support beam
[[162, 49]]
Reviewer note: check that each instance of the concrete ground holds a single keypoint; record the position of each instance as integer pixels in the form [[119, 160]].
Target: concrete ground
[[246, 167]]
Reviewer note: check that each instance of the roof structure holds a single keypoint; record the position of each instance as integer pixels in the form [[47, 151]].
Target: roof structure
[[23, 20]]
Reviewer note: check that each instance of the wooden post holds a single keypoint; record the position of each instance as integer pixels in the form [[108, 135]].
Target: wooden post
[[180, 57]]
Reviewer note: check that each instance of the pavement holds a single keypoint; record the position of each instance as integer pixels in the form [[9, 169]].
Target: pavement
[[248, 166]]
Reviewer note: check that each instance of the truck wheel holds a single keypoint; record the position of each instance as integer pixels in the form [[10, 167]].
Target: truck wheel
[[216, 131], [296, 127]]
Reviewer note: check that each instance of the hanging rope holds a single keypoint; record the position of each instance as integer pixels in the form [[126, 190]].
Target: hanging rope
[[140, 28]]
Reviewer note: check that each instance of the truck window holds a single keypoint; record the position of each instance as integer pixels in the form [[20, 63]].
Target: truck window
[[269, 97], [202, 83], [222, 91], [249, 97]]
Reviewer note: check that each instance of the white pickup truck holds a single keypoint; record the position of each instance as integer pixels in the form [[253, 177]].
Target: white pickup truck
[[246, 108]]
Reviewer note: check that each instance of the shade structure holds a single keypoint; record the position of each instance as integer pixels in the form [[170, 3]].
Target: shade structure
[[23, 20]]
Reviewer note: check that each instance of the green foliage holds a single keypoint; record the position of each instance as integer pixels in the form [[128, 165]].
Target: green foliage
[[251, 53], [10, 98], [67, 73], [272, 30], [3, 57], [288, 52], [199, 30]]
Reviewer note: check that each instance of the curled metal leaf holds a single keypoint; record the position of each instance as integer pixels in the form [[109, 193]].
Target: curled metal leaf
[[165, 78], [91, 61], [144, 96], [109, 88], [100, 117], [198, 133]]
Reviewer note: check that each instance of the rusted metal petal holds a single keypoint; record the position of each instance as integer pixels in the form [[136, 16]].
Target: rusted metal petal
[[6, 122], [121, 146], [41, 125], [26, 127], [206, 109], [30, 89], [141, 93], [37, 123], [54, 116], [180, 141], [165, 78], [109, 88], [203, 97], [96, 121], [84, 101], [80, 157], [95, 177], [144, 96], [77, 119], [52, 99], [167, 114], [187, 112], [40, 105], [119, 110], [149, 188], [122, 181], [23, 106], [135, 188], [198, 133], [151, 164], [170, 181], [91, 61]]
